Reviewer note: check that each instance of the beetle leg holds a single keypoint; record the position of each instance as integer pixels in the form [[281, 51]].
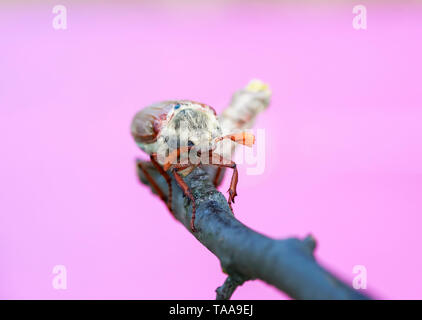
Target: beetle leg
[[182, 184], [143, 166], [167, 177], [221, 162], [216, 181]]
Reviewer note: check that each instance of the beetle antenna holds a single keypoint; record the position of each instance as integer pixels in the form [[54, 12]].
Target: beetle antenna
[[245, 138]]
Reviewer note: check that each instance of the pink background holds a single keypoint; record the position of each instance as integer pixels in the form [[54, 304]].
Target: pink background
[[344, 138]]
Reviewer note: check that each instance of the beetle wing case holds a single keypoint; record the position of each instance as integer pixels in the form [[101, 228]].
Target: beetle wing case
[[146, 124], [158, 119]]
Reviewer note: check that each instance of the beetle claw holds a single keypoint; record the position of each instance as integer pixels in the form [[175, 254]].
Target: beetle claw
[[232, 195], [192, 226], [230, 200]]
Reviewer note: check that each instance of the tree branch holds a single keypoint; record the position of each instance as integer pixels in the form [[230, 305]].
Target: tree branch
[[244, 254], [229, 286]]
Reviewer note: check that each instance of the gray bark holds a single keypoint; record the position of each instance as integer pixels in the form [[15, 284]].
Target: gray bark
[[287, 264]]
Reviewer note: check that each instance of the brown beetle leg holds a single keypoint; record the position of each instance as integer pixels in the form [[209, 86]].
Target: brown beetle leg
[[216, 181], [142, 165], [167, 177], [220, 162], [186, 191]]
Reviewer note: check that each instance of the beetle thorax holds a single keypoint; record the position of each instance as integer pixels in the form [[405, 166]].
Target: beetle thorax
[[189, 125]]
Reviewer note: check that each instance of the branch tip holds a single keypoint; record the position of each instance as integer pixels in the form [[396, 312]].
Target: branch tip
[[229, 286], [310, 242]]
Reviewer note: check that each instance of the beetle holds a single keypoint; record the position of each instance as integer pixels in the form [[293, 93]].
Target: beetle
[[170, 132]]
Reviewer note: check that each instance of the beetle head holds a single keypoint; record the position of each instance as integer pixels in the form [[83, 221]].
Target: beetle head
[[192, 129], [190, 126]]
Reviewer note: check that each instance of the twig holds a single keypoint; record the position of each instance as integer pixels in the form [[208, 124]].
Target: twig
[[229, 286], [244, 254]]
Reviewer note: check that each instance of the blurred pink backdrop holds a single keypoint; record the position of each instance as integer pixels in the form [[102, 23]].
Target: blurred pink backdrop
[[344, 138]]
